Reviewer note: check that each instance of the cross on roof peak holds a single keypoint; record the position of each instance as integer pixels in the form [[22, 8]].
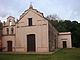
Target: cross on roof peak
[[30, 5]]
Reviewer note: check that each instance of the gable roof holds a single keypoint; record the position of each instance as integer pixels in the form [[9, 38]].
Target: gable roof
[[33, 10]]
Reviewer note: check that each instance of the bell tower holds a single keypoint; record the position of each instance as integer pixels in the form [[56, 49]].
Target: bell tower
[[9, 26], [10, 21]]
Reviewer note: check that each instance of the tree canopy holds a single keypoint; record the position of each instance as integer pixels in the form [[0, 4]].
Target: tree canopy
[[69, 26]]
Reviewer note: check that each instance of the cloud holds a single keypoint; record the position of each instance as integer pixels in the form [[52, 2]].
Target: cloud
[[65, 9], [3, 13], [2, 19]]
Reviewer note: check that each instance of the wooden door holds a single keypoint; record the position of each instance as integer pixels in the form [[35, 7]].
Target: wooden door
[[31, 43], [9, 46], [64, 44]]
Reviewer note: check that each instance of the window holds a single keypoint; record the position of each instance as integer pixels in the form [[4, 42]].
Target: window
[[7, 30], [30, 21], [12, 30], [10, 22]]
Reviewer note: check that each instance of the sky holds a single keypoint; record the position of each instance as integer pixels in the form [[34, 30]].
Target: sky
[[65, 9]]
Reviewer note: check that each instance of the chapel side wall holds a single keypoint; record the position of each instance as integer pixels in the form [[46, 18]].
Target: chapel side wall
[[53, 37]]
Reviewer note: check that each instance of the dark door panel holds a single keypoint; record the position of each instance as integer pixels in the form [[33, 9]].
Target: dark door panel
[[31, 43], [64, 44], [9, 45]]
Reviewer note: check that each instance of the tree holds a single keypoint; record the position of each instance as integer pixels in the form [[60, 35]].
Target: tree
[[53, 17], [69, 26]]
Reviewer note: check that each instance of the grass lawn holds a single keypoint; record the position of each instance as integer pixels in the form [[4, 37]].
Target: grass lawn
[[64, 54]]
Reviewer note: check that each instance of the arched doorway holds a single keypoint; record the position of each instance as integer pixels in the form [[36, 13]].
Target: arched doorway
[[9, 46], [31, 43]]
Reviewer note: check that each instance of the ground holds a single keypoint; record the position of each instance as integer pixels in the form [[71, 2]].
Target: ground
[[63, 54]]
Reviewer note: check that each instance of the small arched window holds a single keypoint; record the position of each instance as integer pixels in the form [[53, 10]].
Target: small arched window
[[12, 30], [7, 30], [10, 22]]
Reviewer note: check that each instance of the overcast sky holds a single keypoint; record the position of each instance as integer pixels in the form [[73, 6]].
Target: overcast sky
[[65, 9]]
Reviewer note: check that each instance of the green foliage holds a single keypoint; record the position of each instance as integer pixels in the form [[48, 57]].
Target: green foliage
[[69, 26]]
